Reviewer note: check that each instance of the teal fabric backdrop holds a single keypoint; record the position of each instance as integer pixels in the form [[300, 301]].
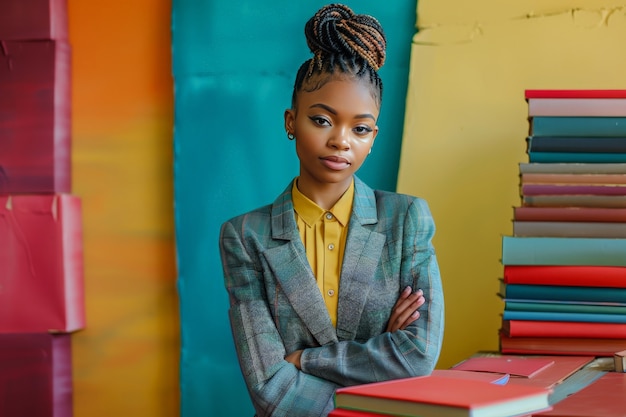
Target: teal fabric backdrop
[[234, 63]]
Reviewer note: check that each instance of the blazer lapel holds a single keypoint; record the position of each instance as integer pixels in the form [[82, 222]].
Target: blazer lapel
[[291, 268], [362, 255]]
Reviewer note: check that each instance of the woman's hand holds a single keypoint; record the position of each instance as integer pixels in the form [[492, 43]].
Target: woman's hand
[[405, 310], [294, 357]]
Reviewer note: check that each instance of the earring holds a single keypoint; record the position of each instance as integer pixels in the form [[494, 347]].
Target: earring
[[290, 136]]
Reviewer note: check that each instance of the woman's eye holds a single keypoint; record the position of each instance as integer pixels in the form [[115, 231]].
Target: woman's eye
[[363, 130], [321, 121]]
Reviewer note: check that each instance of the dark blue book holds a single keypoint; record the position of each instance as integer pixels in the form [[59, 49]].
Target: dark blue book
[[529, 292], [578, 126]]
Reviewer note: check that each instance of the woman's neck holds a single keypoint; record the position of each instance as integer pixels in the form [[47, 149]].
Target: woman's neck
[[324, 195]]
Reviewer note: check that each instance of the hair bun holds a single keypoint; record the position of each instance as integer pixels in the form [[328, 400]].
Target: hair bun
[[335, 29]]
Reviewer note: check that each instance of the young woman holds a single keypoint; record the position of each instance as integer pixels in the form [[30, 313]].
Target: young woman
[[325, 283]]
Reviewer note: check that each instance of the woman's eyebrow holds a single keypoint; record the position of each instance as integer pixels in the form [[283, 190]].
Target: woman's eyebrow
[[333, 111]]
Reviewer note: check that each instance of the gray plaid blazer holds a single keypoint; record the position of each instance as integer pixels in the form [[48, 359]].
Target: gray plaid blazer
[[277, 308]]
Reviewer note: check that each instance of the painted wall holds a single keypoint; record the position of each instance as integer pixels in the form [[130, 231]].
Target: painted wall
[[126, 359], [466, 125]]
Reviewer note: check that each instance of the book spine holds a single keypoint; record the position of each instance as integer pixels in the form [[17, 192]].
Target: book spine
[[597, 201], [569, 214], [574, 94], [563, 317], [548, 178], [578, 126], [589, 276], [563, 293], [531, 328], [572, 168], [572, 189], [580, 308], [568, 229], [563, 251], [576, 157], [576, 144], [598, 107]]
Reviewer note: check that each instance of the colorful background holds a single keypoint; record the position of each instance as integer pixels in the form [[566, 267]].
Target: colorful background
[[150, 247]]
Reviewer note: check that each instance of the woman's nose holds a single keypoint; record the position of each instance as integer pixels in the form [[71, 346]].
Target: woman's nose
[[340, 139]]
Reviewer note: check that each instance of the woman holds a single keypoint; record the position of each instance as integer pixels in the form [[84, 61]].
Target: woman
[[325, 283]]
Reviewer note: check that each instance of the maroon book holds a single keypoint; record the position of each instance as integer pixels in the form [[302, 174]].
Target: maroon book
[[36, 375], [35, 117], [41, 264], [33, 19]]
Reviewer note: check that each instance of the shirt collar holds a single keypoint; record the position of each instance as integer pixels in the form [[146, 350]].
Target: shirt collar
[[310, 212]]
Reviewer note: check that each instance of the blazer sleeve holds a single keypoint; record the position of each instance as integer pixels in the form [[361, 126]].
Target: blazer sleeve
[[404, 353], [276, 387]]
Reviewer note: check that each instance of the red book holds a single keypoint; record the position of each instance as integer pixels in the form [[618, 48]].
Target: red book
[[430, 396], [36, 375], [543, 345], [515, 366], [33, 20], [575, 94], [570, 214], [344, 412], [527, 328], [604, 397], [575, 276], [41, 264], [35, 124]]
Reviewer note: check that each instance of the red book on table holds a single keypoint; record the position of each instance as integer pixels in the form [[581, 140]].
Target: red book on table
[[33, 19], [436, 396], [35, 154], [35, 375], [584, 276], [41, 264]]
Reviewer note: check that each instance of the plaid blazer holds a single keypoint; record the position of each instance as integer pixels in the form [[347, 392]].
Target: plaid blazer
[[277, 308]]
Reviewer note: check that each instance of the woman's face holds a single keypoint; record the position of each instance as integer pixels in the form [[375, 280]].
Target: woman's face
[[335, 127]]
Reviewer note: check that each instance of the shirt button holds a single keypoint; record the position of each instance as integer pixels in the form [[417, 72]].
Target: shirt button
[[329, 216], [331, 293], [331, 246]]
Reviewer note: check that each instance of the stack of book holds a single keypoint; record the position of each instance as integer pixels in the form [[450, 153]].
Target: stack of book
[[564, 280], [41, 247]]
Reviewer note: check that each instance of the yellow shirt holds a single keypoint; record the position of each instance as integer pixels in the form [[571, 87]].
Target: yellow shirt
[[324, 234]]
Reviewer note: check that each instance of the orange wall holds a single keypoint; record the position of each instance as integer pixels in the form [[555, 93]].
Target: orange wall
[[126, 359]]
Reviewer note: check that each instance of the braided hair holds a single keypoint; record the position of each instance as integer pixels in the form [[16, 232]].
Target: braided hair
[[343, 44]]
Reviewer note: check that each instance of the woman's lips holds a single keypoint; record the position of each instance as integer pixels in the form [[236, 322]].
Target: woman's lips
[[336, 163]]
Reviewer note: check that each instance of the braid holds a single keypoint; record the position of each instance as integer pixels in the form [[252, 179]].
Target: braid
[[344, 43]]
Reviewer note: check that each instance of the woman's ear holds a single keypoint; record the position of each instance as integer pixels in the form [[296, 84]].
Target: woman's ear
[[290, 120]]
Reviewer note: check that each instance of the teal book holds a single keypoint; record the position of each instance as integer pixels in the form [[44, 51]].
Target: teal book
[[578, 126], [554, 316], [570, 307], [582, 251], [529, 292], [576, 157]]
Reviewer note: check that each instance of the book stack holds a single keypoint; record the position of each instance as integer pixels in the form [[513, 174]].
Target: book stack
[[564, 280], [41, 247]]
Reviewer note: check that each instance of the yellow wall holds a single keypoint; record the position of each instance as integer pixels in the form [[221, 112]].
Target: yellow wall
[[126, 359], [466, 126]]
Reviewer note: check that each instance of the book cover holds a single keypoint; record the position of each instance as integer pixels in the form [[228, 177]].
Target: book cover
[[36, 375], [518, 250], [513, 365], [571, 178], [563, 316], [41, 263], [596, 107], [589, 276], [493, 378], [547, 345], [568, 229], [556, 307], [604, 397], [431, 396], [33, 20], [562, 293], [576, 157], [574, 93], [566, 200], [530, 328], [344, 412], [576, 144], [35, 145], [571, 168], [555, 189], [570, 214], [577, 126]]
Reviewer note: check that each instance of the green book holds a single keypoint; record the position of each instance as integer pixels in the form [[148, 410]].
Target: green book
[[593, 251], [578, 126], [556, 307]]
